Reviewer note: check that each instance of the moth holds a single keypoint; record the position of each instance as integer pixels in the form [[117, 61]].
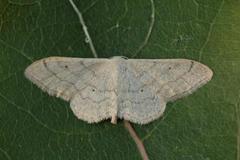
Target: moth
[[136, 90]]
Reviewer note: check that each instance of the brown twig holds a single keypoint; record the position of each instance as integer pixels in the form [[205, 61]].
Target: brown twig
[[137, 140]]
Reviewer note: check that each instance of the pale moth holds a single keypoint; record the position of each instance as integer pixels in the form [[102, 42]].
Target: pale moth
[[136, 90]]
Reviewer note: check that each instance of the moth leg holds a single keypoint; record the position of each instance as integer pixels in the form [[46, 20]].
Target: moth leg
[[114, 119]]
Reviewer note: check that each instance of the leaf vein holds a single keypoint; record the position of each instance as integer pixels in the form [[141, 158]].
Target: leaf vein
[[210, 31], [149, 32], [38, 120], [12, 47]]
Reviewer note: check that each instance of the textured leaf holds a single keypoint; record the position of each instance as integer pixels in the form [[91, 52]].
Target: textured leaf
[[203, 126]]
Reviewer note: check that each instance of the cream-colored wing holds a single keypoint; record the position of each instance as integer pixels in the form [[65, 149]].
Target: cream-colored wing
[[86, 83], [153, 83]]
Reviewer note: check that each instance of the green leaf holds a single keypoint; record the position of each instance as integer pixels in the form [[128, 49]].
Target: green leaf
[[202, 126]]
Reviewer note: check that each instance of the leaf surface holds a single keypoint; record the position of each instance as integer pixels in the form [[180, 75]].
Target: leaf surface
[[202, 126]]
